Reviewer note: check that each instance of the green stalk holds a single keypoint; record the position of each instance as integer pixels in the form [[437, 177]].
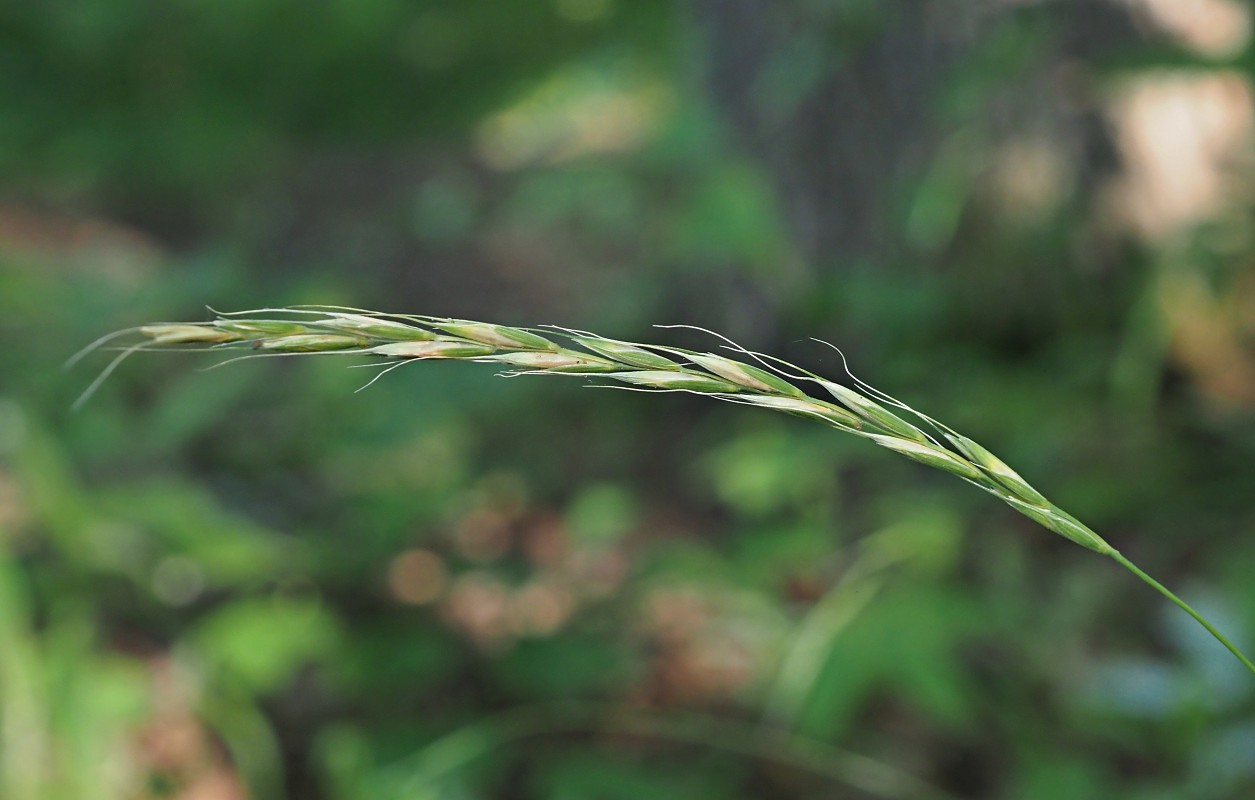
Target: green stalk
[[1184, 606]]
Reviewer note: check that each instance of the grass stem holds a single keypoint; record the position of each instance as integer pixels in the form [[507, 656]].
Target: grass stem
[[1184, 606]]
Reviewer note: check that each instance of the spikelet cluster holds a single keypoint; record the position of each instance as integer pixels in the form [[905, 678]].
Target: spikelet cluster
[[749, 378], [768, 382]]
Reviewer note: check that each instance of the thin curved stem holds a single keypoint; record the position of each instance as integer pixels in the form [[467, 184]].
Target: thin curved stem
[[1184, 606], [482, 737]]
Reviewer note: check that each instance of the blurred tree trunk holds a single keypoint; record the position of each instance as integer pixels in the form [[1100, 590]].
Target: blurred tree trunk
[[847, 103]]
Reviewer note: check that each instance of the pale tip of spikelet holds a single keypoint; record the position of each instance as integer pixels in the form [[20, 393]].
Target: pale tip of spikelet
[[310, 343], [998, 469], [376, 327], [807, 408], [187, 334], [873, 412], [932, 456], [438, 348], [495, 335], [558, 362], [675, 380]]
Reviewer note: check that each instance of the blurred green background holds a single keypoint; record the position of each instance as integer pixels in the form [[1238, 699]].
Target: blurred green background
[[1033, 220]]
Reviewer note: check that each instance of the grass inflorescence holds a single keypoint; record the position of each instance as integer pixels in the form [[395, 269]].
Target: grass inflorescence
[[748, 378]]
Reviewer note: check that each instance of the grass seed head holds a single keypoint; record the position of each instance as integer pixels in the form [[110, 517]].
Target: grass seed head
[[807, 407], [998, 468], [188, 334], [663, 379], [561, 361], [874, 412], [311, 343], [255, 328], [1064, 524], [496, 335], [626, 353], [641, 366], [749, 377], [436, 348], [376, 328], [932, 456]]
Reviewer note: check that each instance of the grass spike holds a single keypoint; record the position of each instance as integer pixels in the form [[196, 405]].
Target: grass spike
[[628, 366]]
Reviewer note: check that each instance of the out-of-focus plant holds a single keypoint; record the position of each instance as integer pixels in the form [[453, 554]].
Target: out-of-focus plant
[[68, 712]]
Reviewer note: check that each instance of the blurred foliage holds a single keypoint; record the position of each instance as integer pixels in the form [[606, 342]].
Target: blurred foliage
[[252, 582]]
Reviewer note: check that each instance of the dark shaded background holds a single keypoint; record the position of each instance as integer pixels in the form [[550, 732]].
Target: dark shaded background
[[1030, 219]]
